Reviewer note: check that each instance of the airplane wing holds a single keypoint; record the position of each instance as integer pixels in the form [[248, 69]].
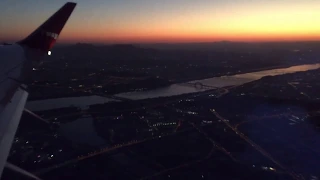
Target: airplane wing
[[12, 104], [15, 66]]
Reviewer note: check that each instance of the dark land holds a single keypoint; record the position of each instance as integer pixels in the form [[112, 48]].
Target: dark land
[[265, 129], [86, 69]]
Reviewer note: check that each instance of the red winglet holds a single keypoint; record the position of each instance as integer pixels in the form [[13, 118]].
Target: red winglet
[[45, 36]]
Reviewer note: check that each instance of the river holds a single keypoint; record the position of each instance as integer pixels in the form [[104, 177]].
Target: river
[[83, 102], [172, 90], [217, 82], [82, 131]]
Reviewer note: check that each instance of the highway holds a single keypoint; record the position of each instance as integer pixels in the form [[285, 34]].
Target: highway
[[127, 144], [90, 155], [214, 144], [35, 115], [257, 147], [273, 117], [102, 151]]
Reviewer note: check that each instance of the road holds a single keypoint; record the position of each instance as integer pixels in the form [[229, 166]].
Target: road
[[254, 118], [127, 144], [103, 151], [257, 147], [214, 144], [35, 115]]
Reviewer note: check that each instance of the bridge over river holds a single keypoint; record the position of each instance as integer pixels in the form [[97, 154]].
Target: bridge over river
[[198, 85]]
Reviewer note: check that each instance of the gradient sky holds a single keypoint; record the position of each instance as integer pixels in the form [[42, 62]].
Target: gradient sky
[[126, 21]]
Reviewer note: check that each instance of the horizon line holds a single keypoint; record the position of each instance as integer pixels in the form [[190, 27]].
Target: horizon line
[[172, 43], [193, 42]]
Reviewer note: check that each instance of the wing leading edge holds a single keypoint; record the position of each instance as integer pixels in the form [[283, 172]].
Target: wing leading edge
[[15, 66]]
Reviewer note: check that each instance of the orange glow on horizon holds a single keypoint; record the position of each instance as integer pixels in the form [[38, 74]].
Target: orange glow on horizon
[[249, 22], [184, 38], [297, 22]]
